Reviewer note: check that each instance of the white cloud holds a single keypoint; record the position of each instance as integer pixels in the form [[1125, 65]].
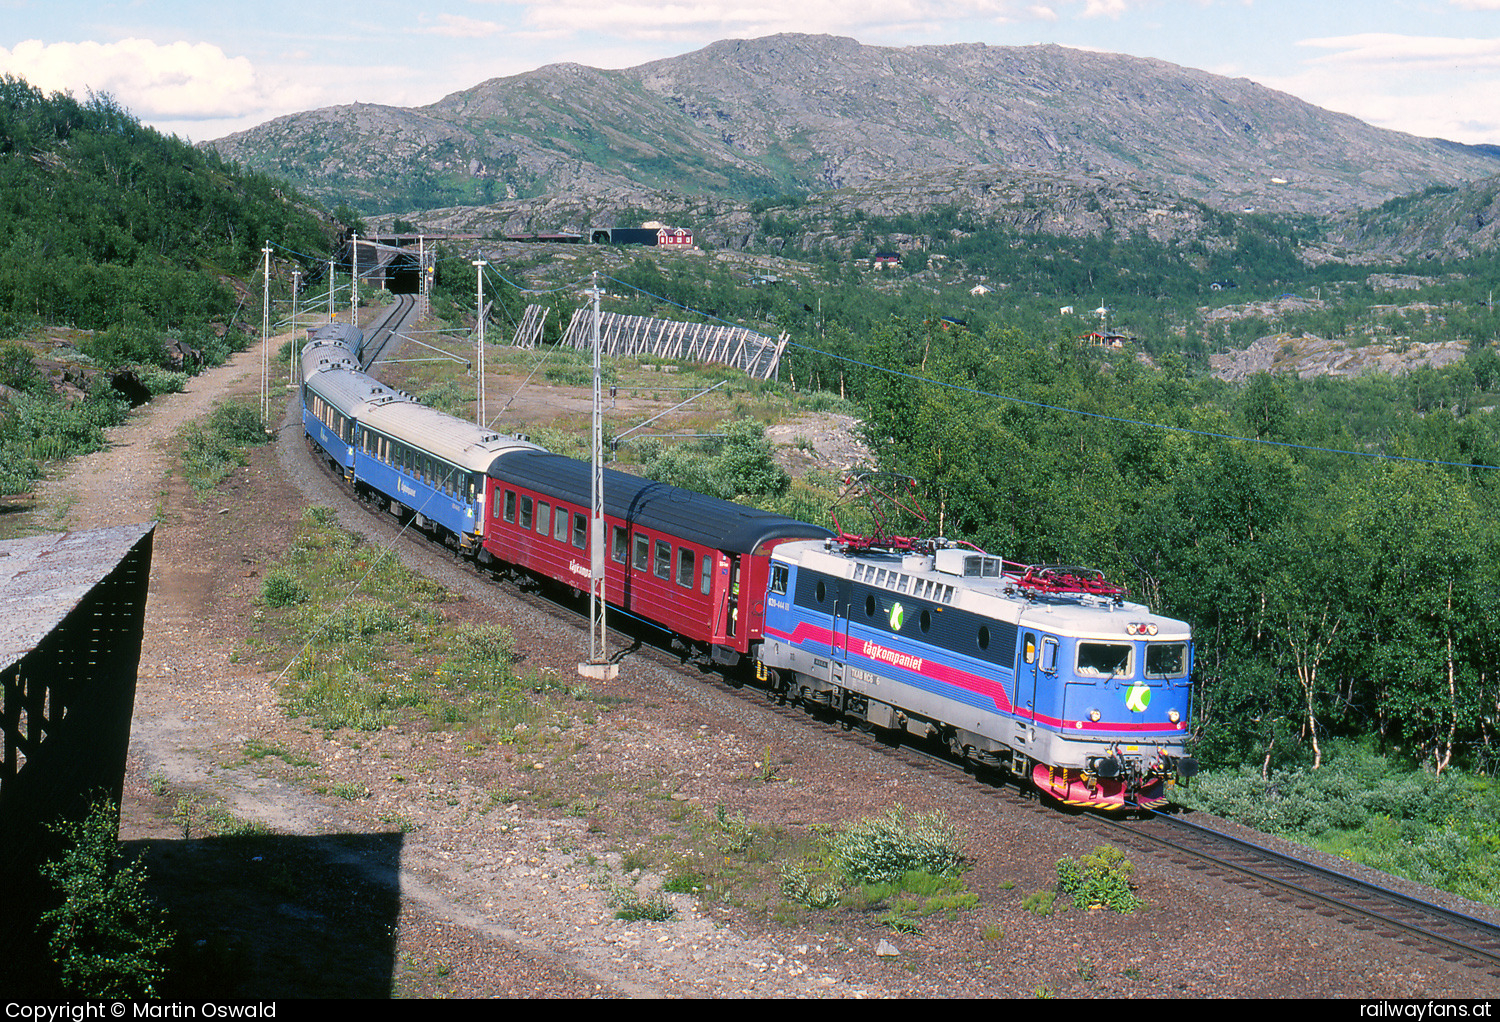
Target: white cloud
[[1105, 8], [714, 19], [459, 27], [1460, 108], [178, 81], [1437, 86], [1407, 52]]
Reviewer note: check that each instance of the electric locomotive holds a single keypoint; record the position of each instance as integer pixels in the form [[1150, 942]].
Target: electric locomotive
[[1045, 673]]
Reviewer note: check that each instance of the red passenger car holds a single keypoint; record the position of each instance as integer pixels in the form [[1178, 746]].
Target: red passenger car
[[694, 565]]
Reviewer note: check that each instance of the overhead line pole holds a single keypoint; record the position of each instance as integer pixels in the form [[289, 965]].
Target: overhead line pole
[[265, 339], [354, 280], [479, 265], [598, 667], [291, 358]]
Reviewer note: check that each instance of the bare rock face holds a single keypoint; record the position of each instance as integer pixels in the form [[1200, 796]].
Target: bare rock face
[[811, 114], [1440, 223], [1307, 356]]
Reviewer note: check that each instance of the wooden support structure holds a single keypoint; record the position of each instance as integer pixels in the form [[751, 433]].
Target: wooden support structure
[[624, 336]]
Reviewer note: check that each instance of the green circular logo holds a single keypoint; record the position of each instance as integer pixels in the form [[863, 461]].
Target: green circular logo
[[897, 616], [1137, 698]]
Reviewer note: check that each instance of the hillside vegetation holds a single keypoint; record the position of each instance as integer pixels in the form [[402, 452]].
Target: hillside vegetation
[[121, 241], [99, 214], [1333, 541]]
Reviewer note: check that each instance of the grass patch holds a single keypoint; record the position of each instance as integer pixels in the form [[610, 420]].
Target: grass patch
[[196, 817], [217, 444], [632, 906], [363, 643]]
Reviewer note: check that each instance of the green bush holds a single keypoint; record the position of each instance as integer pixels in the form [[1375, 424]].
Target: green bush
[[17, 370], [883, 849], [1100, 879], [797, 885], [161, 381], [738, 464], [107, 937], [132, 339], [281, 589]]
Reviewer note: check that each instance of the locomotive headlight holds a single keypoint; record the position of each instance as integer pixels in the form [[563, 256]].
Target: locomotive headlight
[[1131, 628], [1173, 716], [1151, 628], [1094, 716]]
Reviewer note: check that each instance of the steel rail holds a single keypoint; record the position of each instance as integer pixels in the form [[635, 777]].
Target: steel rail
[[1468, 935]]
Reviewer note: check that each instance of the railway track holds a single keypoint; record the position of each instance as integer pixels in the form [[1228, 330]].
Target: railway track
[[1366, 906], [385, 333]]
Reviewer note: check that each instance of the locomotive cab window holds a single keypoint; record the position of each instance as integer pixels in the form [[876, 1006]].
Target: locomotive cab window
[[779, 573], [1166, 660], [1104, 659]]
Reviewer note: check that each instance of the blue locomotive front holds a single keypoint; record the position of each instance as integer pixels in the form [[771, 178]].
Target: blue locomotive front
[[1051, 676]]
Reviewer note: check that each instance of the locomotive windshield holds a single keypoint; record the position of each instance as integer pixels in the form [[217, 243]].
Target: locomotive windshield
[[1104, 659], [1166, 660]]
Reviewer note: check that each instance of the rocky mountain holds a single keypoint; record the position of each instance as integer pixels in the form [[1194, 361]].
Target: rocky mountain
[[1441, 222], [1074, 206], [741, 119]]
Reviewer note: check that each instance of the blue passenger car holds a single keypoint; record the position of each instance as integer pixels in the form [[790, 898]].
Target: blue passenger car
[[430, 464]]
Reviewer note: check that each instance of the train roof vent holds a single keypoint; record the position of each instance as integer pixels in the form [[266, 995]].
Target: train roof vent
[[969, 564]]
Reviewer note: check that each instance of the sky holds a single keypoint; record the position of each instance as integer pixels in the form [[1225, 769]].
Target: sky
[[204, 70]]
